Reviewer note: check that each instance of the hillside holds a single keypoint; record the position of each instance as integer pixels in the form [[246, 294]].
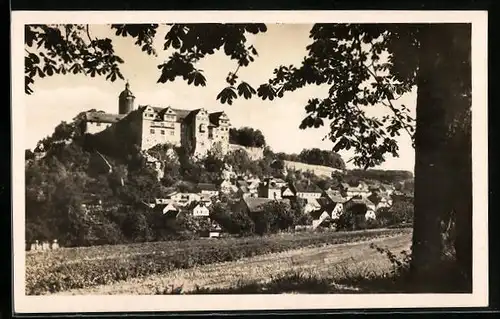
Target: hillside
[[70, 173], [319, 170]]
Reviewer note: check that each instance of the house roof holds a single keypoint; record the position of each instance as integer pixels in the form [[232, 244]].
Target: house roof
[[244, 189], [161, 207], [313, 202], [307, 188], [172, 193], [163, 201], [193, 204], [362, 200], [284, 188], [214, 118], [205, 198], [255, 204], [335, 197], [275, 183], [326, 205], [375, 198], [182, 115], [102, 117], [206, 187], [243, 186]]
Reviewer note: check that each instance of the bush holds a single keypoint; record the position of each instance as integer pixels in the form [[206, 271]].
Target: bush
[[237, 223]]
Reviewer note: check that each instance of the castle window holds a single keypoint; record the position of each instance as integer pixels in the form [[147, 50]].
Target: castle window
[[202, 128], [98, 124], [152, 131], [172, 132], [162, 132]]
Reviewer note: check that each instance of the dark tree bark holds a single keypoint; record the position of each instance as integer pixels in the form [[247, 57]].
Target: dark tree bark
[[442, 145]]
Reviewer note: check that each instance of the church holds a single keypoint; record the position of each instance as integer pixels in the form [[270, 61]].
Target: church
[[147, 126]]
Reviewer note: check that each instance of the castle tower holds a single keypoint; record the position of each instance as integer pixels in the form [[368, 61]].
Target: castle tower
[[126, 101]]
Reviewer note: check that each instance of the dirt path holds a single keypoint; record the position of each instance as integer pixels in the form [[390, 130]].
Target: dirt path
[[334, 259]]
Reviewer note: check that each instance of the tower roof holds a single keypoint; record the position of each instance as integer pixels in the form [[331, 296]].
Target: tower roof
[[127, 93]]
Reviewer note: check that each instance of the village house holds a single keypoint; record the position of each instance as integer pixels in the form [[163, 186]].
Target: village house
[[159, 201], [253, 184], [334, 196], [360, 190], [255, 205], [380, 200], [387, 188], [215, 230], [271, 188], [208, 200], [362, 206], [184, 199], [287, 192], [198, 209], [306, 190], [227, 187], [243, 190], [168, 209], [208, 189], [311, 204], [318, 216], [334, 206]]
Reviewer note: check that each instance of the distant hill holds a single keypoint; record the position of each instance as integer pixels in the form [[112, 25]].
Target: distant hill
[[386, 176]]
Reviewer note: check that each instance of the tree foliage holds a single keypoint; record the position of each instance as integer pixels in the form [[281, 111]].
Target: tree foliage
[[386, 176], [247, 136]]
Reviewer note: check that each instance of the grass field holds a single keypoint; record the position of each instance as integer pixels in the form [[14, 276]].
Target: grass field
[[150, 268]]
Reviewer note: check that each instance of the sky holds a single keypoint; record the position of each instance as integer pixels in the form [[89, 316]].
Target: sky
[[62, 97]]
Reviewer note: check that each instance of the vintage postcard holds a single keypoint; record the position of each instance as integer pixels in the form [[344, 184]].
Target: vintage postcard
[[211, 161]]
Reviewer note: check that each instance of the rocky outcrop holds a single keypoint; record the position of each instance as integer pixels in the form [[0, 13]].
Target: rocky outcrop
[[254, 153]]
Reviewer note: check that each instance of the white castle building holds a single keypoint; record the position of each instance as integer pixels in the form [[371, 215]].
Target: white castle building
[[148, 125]]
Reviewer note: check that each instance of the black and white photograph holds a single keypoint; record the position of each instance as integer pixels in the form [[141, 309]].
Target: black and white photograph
[[311, 160]]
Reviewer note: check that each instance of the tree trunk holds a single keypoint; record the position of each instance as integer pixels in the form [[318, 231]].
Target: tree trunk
[[442, 164]]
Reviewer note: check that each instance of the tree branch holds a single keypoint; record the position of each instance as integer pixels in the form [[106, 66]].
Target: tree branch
[[390, 105], [88, 33]]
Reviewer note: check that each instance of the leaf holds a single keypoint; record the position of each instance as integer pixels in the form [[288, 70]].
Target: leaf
[[246, 90], [227, 95], [197, 78], [266, 91], [34, 58]]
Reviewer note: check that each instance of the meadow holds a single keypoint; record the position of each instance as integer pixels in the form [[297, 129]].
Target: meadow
[[73, 269]]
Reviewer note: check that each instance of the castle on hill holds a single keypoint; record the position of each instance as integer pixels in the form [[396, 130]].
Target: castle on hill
[[147, 126]]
